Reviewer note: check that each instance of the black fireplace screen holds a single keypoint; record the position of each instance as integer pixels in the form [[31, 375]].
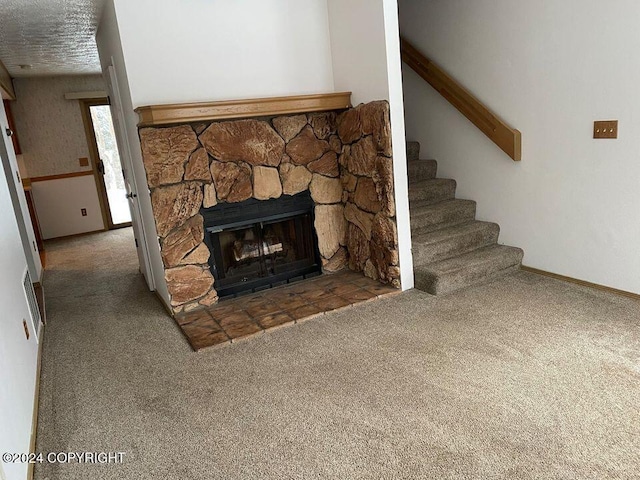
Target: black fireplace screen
[[261, 244]]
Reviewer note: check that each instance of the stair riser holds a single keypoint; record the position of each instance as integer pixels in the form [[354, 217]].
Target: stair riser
[[450, 250], [444, 285], [421, 170], [413, 151], [438, 192], [443, 218], [459, 245]]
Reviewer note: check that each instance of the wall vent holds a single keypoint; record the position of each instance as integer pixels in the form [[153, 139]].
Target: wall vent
[[33, 302]]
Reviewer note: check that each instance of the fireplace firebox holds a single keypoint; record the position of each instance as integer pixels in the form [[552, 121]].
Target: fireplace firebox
[[257, 245]]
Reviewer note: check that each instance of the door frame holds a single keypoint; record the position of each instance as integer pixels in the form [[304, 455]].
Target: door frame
[[94, 153]]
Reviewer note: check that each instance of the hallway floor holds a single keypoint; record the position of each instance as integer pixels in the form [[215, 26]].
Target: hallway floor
[[525, 377]]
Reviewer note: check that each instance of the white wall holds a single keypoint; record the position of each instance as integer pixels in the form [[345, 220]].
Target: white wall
[[18, 203], [59, 203], [204, 50], [358, 49], [549, 68], [18, 356], [366, 61]]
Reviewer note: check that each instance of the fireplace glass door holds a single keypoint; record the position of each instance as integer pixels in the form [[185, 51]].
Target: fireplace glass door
[[263, 254]]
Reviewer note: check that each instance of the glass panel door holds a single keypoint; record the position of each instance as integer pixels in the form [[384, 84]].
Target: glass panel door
[[261, 255], [110, 166]]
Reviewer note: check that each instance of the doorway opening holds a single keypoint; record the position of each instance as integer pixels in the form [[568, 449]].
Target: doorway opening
[[106, 162]]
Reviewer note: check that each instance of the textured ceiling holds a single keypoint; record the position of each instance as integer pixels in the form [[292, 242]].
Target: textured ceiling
[[55, 37]]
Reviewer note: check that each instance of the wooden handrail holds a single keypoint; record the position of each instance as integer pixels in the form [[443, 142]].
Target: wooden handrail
[[505, 137]]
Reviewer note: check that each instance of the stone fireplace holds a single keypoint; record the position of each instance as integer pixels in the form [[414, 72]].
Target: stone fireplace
[[334, 165]]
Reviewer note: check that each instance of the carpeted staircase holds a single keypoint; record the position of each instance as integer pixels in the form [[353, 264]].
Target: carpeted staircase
[[451, 249]]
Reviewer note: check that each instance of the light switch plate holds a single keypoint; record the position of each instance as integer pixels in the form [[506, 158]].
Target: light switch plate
[[605, 129]]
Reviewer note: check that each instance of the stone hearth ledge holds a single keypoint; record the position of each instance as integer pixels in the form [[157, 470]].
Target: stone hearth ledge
[[343, 157]]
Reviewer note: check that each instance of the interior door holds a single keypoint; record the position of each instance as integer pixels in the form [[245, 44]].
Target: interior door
[[117, 113]]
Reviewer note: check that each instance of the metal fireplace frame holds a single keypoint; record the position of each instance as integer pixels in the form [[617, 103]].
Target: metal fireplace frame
[[249, 213]]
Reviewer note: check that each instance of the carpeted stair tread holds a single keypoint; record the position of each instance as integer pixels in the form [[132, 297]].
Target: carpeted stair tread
[[432, 191], [451, 250], [429, 216], [453, 241], [471, 268], [421, 170], [413, 151]]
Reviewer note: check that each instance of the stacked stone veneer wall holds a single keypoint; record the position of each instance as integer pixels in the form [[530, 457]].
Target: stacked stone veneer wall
[[343, 158]]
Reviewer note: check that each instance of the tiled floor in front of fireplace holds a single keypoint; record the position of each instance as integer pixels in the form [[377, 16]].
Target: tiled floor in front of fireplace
[[238, 318]]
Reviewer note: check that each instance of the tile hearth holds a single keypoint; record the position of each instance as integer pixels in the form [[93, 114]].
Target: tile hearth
[[239, 318]]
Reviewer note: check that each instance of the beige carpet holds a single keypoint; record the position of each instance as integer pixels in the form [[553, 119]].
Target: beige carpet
[[522, 378]]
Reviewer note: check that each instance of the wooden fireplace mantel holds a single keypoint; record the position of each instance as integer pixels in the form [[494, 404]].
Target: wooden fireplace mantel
[[154, 115]]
